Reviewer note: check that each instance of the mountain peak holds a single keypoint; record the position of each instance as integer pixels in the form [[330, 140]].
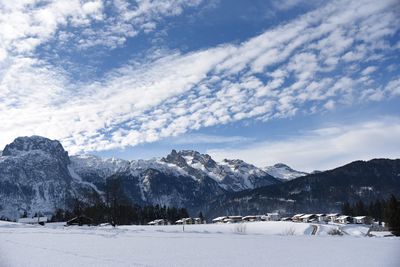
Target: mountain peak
[[34, 143], [283, 171], [281, 165]]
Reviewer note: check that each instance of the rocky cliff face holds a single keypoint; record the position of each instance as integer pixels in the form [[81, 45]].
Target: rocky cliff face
[[34, 177]]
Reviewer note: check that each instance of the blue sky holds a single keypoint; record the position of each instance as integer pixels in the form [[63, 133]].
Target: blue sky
[[313, 84]]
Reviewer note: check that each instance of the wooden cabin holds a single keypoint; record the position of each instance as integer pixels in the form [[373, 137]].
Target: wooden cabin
[[362, 220], [308, 218], [233, 219], [158, 222], [296, 218], [321, 217], [219, 219], [344, 219], [80, 220], [332, 217]]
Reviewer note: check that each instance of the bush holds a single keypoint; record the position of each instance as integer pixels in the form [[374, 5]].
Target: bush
[[335, 231], [289, 231], [239, 228]]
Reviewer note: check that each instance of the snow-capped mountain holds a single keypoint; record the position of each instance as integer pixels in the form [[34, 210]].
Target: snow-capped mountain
[[283, 172], [37, 175], [34, 177], [231, 175]]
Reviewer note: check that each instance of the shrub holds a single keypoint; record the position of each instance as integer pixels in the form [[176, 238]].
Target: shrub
[[289, 231], [335, 231], [239, 228]]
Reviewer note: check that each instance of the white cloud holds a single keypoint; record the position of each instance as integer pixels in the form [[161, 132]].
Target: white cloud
[[209, 139], [300, 66], [324, 148]]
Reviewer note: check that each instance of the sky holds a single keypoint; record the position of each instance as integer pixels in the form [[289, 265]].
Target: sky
[[313, 84]]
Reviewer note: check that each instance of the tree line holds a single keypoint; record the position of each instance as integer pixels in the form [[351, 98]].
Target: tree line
[[122, 214], [117, 209], [381, 210]]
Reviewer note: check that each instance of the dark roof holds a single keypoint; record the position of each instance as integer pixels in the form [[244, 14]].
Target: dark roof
[[80, 220]]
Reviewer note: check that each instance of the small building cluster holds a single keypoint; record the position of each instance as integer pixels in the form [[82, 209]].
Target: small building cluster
[[248, 218], [301, 217], [180, 221], [332, 217]]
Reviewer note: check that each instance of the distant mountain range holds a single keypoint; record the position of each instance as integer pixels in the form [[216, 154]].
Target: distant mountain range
[[37, 175]]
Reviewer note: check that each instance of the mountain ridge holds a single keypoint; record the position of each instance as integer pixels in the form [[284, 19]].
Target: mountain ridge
[[38, 175]]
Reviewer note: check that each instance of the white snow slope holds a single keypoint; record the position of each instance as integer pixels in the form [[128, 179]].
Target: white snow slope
[[250, 244]]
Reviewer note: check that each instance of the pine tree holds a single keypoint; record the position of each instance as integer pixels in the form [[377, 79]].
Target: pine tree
[[392, 215], [347, 209]]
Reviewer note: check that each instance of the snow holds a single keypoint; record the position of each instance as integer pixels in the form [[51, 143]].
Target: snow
[[248, 244], [284, 172]]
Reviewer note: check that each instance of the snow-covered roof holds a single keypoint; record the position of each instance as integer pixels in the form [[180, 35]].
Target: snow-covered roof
[[343, 217], [306, 216], [332, 214], [220, 218], [235, 217], [360, 217], [298, 215]]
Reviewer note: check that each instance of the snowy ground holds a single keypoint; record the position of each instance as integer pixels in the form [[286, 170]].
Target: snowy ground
[[250, 244]]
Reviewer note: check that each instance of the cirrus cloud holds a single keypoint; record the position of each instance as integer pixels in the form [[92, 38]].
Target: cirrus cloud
[[306, 65]]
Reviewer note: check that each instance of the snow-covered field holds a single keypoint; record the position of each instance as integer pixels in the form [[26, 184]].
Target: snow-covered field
[[249, 244]]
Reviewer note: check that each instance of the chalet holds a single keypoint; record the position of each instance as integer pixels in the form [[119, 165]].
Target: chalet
[[296, 218], [321, 217], [35, 220], [80, 220], [344, 219], [198, 221], [180, 221], [251, 218], [158, 222], [273, 216], [308, 218], [362, 220], [189, 221], [219, 219], [233, 219], [332, 217]]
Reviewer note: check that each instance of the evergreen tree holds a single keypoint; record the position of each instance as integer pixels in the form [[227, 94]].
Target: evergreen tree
[[347, 209], [392, 215], [359, 209]]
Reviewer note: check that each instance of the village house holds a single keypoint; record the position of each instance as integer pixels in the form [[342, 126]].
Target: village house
[[362, 220], [233, 219], [219, 219], [251, 218], [189, 221], [321, 217], [308, 218], [198, 221], [80, 220], [344, 219], [158, 222], [296, 218], [255, 218], [332, 217], [35, 220]]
